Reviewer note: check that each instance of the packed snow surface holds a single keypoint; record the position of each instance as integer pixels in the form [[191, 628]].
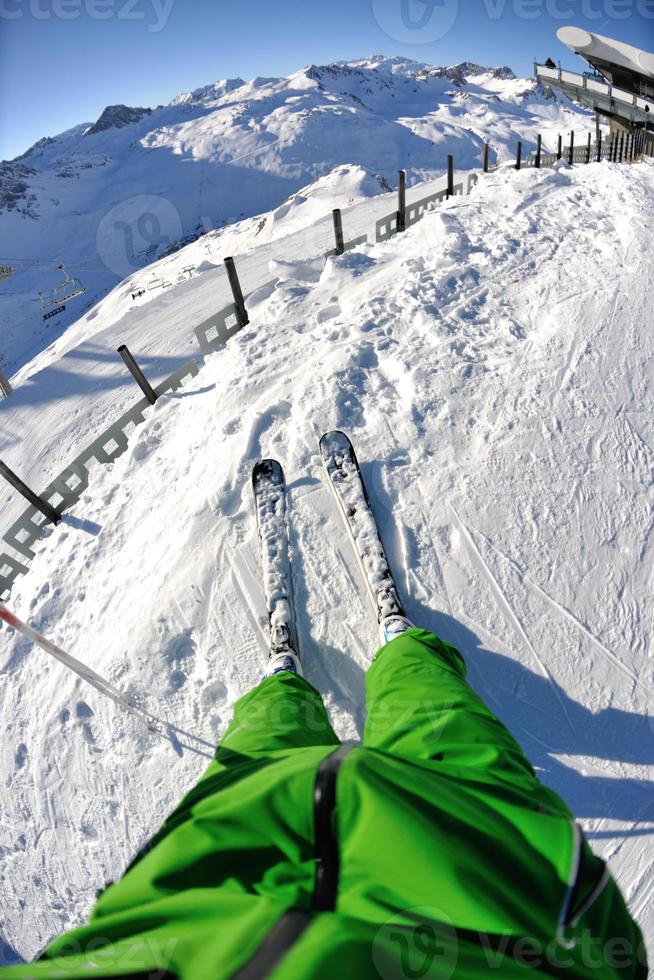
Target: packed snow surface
[[494, 367]]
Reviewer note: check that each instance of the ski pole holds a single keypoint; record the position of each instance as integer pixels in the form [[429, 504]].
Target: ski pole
[[86, 673]]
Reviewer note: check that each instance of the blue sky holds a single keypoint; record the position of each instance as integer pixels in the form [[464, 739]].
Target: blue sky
[[62, 61]]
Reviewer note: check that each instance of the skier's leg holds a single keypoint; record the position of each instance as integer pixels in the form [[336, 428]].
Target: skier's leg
[[282, 712], [421, 706]]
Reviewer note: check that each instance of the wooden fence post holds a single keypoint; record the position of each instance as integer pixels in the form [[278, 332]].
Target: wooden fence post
[[539, 143], [5, 384], [401, 200], [518, 156], [450, 176], [338, 231], [137, 374], [571, 155], [559, 148], [237, 292], [23, 489], [485, 158]]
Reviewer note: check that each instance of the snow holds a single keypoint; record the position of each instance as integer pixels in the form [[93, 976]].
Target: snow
[[493, 367]]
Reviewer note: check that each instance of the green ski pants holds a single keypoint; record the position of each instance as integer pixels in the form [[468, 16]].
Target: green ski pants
[[419, 705]]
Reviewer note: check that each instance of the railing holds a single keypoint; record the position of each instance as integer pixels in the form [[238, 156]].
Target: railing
[[593, 88], [212, 333]]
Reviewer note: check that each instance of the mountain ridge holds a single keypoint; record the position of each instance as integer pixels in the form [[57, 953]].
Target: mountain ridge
[[109, 197]]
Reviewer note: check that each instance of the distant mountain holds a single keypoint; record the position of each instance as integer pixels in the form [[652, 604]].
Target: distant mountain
[[109, 197], [115, 117]]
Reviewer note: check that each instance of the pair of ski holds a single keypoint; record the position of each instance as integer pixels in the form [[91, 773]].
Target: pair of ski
[[346, 482]]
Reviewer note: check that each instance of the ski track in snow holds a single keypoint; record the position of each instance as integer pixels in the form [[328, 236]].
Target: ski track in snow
[[494, 370]]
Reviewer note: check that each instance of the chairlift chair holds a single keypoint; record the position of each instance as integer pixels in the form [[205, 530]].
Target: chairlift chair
[[49, 307], [185, 273], [158, 282], [68, 289]]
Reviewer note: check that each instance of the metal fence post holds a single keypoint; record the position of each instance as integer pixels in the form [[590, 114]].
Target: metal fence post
[[571, 155], [237, 293], [401, 200], [338, 231], [621, 147], [450, 176], [485, 158], [559, 148], [588, 150], [5, 385], [23, 489], [539, 143], [137, 374]]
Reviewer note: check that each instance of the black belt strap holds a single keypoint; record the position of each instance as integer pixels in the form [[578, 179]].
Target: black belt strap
[[287, 930], [276, 945], [327, 858]]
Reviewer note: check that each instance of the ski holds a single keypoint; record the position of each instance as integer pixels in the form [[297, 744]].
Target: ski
[[269, 488], [346, 481]]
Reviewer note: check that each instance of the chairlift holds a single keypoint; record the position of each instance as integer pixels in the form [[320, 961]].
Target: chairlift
[[68, 289], [49, 307], [158, 282], [185, 273]]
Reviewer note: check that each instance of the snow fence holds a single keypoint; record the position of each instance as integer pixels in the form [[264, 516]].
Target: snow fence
[[375, 220]]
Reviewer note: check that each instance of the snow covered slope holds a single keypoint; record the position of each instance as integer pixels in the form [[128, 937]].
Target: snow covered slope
[[108, 199], [494, 369]]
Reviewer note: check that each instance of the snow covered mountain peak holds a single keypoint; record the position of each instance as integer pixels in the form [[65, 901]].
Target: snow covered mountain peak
[[208, 93], [117, 116], [110, 197]]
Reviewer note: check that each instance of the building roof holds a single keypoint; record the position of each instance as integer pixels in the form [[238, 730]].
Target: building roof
[[621, 63]]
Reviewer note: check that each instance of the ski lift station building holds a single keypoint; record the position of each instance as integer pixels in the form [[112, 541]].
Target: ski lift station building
[[619, 86]]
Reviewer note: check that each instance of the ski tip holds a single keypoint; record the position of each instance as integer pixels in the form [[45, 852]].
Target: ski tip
[[334, 438], [267, 469]]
